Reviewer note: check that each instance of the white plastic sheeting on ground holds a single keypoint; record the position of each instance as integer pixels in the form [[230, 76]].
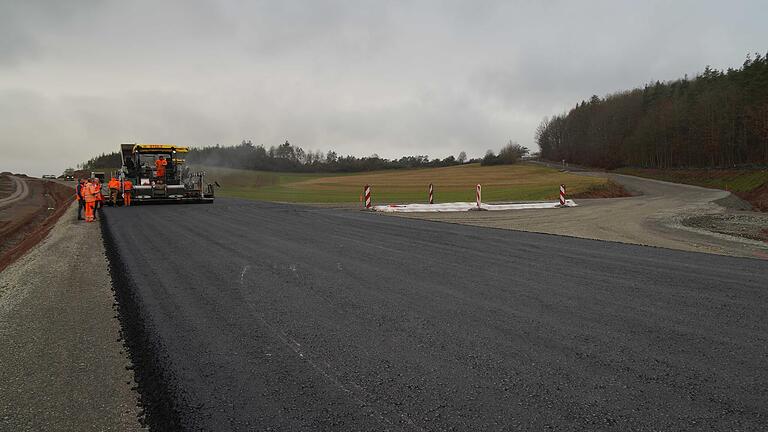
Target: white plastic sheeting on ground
[[466, 206]]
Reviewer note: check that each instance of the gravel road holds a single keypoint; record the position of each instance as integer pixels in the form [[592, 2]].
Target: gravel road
[[656, 217], [62, 365], [254, 316], [20, 191]]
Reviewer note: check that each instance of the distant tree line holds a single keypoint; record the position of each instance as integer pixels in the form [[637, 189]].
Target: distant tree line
[[104, 160], [509, 154], [289, 158], [717, 119]]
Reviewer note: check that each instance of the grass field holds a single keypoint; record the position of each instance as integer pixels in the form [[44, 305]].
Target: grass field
[[500, 183]]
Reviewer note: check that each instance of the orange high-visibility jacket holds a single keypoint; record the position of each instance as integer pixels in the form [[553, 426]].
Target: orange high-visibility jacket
[[89, 192], [113, 183], [97, 189], [127, 185], [160, 164]]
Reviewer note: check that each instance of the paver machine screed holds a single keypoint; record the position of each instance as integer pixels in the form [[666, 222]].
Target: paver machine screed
[[177, 184]]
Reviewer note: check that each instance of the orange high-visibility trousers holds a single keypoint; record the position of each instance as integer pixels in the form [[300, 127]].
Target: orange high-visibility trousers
[[127, 198], [89, 206]]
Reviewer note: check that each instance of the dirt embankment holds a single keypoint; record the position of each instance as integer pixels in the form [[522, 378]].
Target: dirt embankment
[[757, 197], [28, 219], [610, 189]]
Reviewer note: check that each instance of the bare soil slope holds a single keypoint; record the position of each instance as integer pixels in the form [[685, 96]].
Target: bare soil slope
[[29, 210]]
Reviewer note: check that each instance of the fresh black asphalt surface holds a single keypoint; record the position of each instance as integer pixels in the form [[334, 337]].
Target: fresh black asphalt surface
[[254, 316]]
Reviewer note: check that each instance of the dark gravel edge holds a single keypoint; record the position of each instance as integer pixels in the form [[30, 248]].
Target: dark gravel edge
[[737, 225], [156, 395], [733, 202]]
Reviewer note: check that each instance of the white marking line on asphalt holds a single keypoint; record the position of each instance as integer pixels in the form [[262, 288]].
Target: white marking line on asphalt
[[242, 274], [296, 347]]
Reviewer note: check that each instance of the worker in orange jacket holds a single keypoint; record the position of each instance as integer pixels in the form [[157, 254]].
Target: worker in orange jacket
[[127, 187], [89, 194], [114, 187], [160, 165]]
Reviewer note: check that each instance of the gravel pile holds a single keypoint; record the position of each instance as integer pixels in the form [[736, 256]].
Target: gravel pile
[[751, 226]]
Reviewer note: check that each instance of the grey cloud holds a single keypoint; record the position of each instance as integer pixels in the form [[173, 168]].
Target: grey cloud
[[395, 77], [16, 40], [26, 26], [14, 47]]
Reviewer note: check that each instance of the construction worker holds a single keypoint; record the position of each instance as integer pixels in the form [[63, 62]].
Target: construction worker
[[127, 187], [114, 187], [99, 195], [160, 165], [89, 194], [80, 198]]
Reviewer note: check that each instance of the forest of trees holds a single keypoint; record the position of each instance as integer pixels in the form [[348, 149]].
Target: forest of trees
[[717, 119], [104, 160], [288, 157]]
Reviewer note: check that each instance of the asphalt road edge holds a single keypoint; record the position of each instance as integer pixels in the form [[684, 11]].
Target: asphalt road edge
[[159, 412]]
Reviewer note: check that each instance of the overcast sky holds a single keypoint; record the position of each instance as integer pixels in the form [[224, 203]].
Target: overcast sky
[[78, 77]]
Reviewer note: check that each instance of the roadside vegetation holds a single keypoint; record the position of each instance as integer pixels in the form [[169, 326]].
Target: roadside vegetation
[[457, 183]]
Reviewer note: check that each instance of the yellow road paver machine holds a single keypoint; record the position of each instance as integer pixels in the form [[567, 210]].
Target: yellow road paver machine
[[168, 181]]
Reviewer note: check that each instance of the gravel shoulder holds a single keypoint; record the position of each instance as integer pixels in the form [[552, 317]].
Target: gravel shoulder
[[747, 224], [63, 363], [655, 217]]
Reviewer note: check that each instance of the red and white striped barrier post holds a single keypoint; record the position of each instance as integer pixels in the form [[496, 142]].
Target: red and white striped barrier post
[[478, 195], [431, 196], [367, 196], [562, 195]]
